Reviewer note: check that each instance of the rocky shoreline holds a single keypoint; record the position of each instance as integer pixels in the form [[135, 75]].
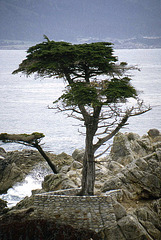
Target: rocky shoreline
[[133, 167]]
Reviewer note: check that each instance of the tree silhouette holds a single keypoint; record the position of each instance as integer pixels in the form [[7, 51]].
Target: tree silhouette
[[97, 90]]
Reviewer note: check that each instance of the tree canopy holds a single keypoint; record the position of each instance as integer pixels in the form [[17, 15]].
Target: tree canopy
[[61, 59], [97, 89], [79, 65]]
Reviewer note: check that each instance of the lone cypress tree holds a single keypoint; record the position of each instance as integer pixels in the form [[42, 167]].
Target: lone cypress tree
[[97, 90]]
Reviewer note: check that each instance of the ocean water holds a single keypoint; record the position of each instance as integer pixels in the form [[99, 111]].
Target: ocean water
[[24, 107], [24, 101]]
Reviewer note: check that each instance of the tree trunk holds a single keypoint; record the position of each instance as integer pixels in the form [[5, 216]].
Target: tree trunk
[[41, 151], [88, 172]]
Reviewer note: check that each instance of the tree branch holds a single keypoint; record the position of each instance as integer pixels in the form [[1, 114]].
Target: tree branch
[[129, 113], [99, 155], [31, 140], [109, 136]]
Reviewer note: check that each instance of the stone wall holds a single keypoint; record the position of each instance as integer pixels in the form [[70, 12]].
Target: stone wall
[[92, 212]]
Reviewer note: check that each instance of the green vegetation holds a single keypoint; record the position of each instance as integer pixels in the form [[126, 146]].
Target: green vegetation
[[97, 90]]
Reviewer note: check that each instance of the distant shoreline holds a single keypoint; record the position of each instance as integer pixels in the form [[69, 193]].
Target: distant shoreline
[[131, 43]]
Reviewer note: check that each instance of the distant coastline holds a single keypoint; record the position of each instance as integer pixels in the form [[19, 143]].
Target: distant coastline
[[15, 44], [130, 43]]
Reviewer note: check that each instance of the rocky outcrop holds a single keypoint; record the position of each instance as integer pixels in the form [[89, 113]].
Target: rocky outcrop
[[78, 155], [140, 178], [130, 146], [58, 181], [14, 166], [131, 175], [134, 221]]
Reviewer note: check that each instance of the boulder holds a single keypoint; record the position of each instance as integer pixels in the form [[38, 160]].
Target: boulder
[[149, 220], [141, 178], [129, 146], [78, 155], [2, 151], [61, 159], [75, 176], [76, 165], [11, 175], [132, 229], [53, 182], [154, 133]]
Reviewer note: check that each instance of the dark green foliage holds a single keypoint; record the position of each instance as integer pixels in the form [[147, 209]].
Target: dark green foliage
[[98, 94], [118, 90], [95, 79], [79, 93], [61, 58], [79, 64]]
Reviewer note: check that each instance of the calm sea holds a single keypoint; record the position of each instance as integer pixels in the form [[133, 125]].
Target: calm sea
[[24, 101]]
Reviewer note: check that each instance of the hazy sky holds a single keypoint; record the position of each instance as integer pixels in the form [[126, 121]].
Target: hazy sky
[[71, 19]]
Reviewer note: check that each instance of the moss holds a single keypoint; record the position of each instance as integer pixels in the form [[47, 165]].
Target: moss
[[29, 138]]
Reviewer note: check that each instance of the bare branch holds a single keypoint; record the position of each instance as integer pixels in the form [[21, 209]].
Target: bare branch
[[99, 155], [84, 134], [109, 136]]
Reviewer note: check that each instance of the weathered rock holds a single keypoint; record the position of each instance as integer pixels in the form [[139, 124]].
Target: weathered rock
[[11, 175], [154, 133], [14, 166], [132, 229], [115, 167], [141, 178], [76, 165], [2, 151], [25, 203], [150, 221], [75, 176], [61, 159], [135, 222], [64, 169], [78, 155], [129, 146], [119, 211], [58, 181]]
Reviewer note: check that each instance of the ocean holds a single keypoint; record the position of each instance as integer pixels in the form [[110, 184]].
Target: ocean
[[24, 101]]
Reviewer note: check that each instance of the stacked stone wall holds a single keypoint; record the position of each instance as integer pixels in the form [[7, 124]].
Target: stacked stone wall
[[92, 212]]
